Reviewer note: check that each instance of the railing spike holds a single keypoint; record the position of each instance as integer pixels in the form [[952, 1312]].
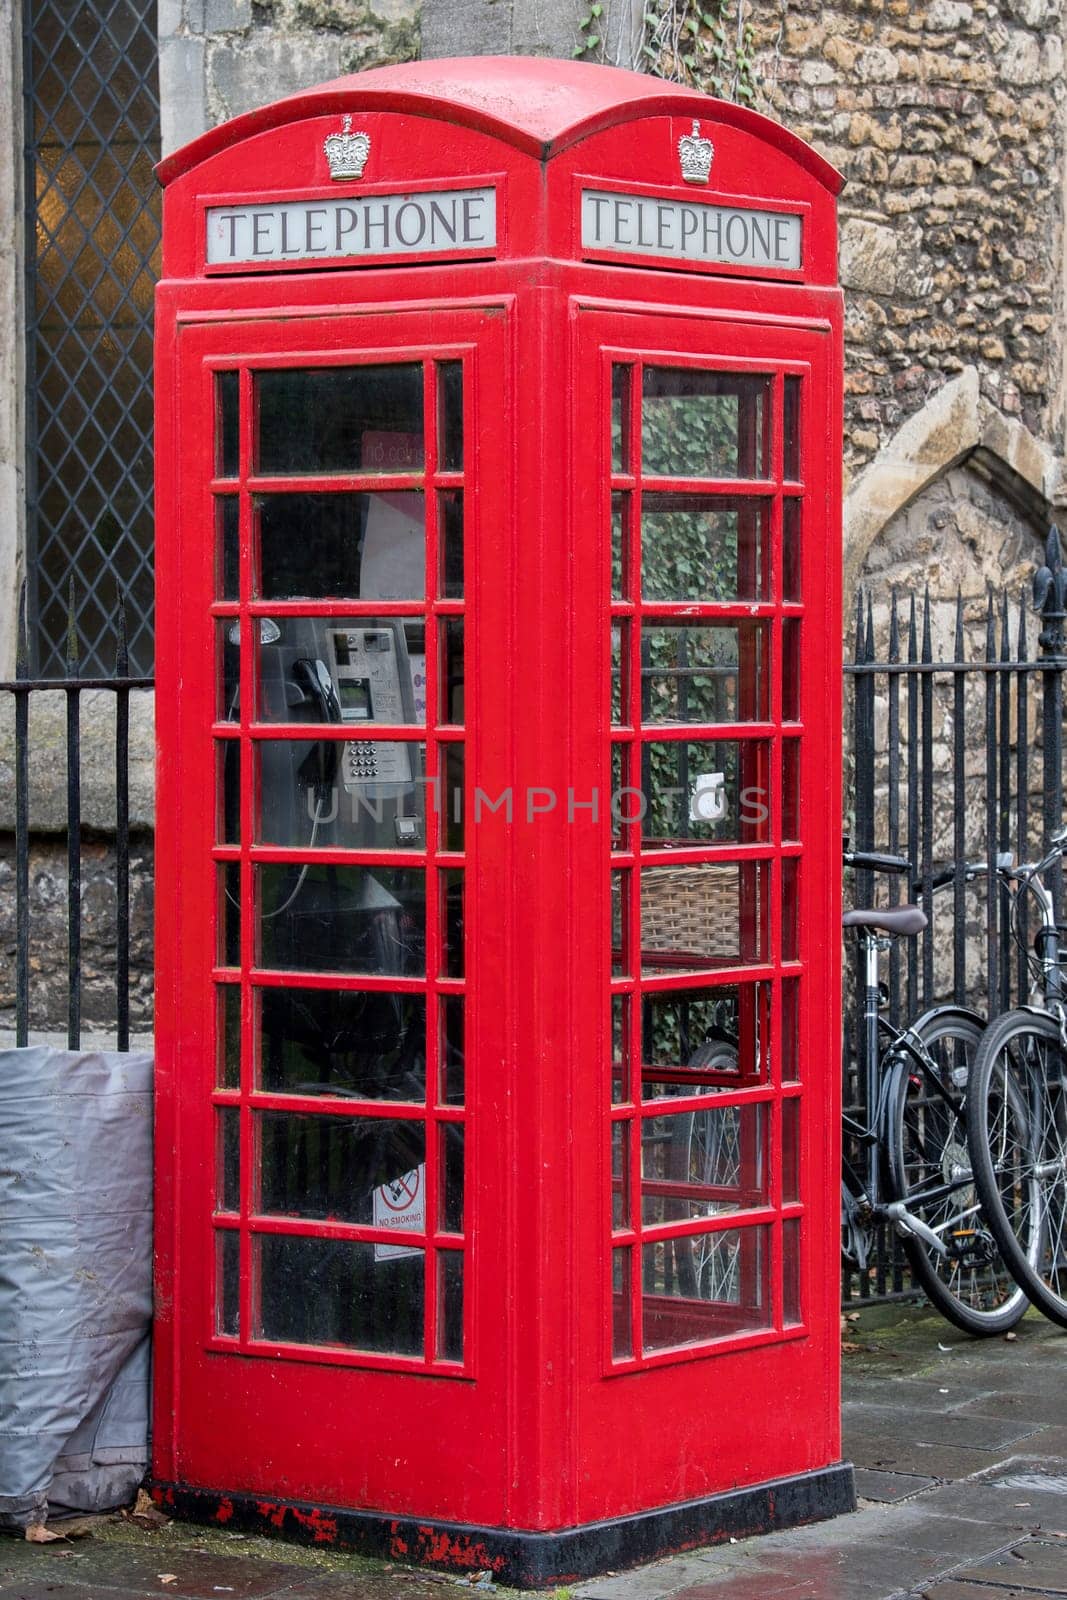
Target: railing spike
[[71, 654], [122, 653]]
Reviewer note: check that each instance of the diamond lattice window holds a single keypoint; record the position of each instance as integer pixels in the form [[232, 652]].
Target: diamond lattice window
[[92, 134]]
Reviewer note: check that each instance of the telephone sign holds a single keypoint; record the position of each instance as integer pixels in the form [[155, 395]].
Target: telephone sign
[[498, 444]]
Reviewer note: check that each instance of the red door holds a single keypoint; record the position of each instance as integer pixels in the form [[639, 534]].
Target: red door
[[714, 604], [322, 615]]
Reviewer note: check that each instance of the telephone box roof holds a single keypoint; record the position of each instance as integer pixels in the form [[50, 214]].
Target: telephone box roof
[[538, 104]]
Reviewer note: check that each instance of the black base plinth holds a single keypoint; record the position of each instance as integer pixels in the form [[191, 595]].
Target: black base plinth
[[528, 1560]]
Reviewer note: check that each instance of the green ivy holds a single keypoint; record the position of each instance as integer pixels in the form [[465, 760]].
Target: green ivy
[[708, 44]]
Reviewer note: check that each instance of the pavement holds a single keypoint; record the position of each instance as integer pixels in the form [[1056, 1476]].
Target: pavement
[[960, 1448]]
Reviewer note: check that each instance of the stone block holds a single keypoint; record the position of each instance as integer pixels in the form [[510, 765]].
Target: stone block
[[868, 256], [183, 103], [227, 16], [245, 74], [1021, 61], [48, 761]]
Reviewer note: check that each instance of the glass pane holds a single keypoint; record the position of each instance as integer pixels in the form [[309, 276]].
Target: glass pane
[[450, 539], [451, 671], [451, 1169], [228, 1159], [318, 918], [704, 1041], [335, 1167], [369, 794], [620, 924], [368, 1046], [707, 1286], [348, 670], [340, 1292], [621, 519], [450, 889], [790, 1031], [450, 415], [340, 419], [620, 1175], [790, 1150], [450, 1305], [694, 547], [704, 424], [451, 757], [705, 673], [226, 431], [620, 672], [790, 909], [705, 916], [620, 1048], [703, 1163], [791, 510], [227, 534], [791, 671], [791, 430], [706, 793], [791, 790], [791, 1272], [229, 903], [228, 669], [621, 380], [452, 1049], [627, 801], [227, 791], [227, 1283], [341, 546], [228, 1066], [622, 1343]]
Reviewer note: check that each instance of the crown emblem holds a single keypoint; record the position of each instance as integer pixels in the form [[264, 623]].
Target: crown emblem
[[696, 154], [347, 152]]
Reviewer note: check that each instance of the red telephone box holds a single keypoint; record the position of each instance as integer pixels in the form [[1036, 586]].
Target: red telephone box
[[498, 539]]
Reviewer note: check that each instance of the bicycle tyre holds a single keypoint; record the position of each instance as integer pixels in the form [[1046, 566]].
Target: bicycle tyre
[[1026, 1202], [927, 1141]]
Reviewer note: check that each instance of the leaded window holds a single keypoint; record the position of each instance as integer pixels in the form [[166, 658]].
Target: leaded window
[[92, 138]]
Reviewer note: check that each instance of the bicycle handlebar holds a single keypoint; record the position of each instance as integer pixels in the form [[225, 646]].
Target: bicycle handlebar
[[876, 861]]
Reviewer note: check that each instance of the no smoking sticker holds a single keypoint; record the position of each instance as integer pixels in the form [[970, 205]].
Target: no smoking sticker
[[401, 1204]]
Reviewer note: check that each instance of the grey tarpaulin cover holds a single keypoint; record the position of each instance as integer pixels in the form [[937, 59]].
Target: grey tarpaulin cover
[[75, 1279]]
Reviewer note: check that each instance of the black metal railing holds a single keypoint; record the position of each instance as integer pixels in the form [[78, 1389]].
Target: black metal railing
[[21, 688], [952, 761]]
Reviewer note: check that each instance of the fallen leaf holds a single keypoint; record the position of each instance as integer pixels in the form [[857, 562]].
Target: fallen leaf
[[1010, 1338], [37, 1533], [167, 1577], [846, 1344]]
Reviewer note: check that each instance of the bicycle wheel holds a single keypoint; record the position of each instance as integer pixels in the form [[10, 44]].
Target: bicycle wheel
[[930, 1171], [1023, 1180]]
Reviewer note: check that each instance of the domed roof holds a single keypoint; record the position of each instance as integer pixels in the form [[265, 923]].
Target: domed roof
[[539, 104]]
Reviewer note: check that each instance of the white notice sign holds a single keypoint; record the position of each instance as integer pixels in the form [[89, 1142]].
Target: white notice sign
[[691, 230], [401, 1204], [339, 229]]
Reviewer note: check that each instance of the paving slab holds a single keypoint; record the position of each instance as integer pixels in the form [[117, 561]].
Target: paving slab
[[933, 1425], [889, 1486], [901, 1454], [1035, 1566]]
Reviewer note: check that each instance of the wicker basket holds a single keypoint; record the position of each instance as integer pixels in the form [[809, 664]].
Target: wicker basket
[[693, 910]]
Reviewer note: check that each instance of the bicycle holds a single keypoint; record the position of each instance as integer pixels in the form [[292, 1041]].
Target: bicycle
[[1017, 1106], [917, 1173]]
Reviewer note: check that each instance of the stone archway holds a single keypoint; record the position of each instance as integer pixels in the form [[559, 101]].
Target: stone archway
[[956, 427]]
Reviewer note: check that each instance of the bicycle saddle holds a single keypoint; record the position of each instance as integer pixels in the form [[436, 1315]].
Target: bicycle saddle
[[902, 919]]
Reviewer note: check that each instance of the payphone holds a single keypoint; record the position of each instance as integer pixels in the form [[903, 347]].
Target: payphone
[[499, 625]]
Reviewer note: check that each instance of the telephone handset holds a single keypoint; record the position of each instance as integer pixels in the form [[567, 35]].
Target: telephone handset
[[319, 768]]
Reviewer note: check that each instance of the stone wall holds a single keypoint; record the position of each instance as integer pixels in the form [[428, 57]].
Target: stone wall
[[48, 933], [218, 58], [946, 119]]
